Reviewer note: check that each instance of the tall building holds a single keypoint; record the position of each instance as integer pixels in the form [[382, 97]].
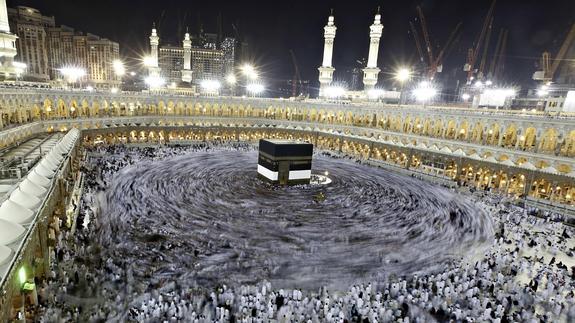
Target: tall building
[[60, 46], [228, 46], [101, 54], [95, 55], [32, 43], [207, 64], [210, 41], [46, 48], [171, 63]]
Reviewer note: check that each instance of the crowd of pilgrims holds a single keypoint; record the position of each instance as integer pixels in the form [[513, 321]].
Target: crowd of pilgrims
[[527, 275]]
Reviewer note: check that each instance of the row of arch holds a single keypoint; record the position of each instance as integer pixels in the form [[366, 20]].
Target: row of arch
[[508, 180], [546, 138]]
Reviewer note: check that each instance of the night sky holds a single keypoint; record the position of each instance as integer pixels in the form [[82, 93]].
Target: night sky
[[274, 27]]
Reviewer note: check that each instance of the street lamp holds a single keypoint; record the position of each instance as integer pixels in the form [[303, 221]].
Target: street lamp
[[334, 92], [424, 92], [72, 74], [402, 75], [231, 80], [465, 97], [154, 81], [210, 86], [249, 71], [255, 88], [19, 68], [149, 61], [119, 68]]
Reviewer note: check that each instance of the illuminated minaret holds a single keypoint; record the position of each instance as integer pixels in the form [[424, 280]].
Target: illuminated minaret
[[326, 70], [371, 72], [153, 62], [187, 71], [7, 43]]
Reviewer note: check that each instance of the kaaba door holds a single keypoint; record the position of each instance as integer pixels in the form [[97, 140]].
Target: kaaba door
[[283, 173]]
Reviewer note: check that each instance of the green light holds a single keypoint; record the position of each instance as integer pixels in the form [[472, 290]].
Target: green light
[[22, 275]]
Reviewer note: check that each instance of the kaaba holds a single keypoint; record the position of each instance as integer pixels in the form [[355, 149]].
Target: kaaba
[[284, 162]]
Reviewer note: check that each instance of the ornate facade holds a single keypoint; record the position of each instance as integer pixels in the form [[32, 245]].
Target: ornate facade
[[477, 143], [528, 157]]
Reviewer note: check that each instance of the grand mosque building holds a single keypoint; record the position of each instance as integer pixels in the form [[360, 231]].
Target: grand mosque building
[[527, 157]]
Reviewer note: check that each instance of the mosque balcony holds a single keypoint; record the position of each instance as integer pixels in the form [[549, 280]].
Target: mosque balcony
[[407, 142]]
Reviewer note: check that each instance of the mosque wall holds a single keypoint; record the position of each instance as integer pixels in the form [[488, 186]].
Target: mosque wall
[[476, 174]]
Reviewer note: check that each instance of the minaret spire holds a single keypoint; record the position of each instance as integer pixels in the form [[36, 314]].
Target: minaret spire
[[371, 72], [154, 43], [326, 69], [187, 71]]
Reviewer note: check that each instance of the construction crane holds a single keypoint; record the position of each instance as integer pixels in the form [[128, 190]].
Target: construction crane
[[423, 23], [417, 42], [480, 73], [296, 76], [473, 53], [548, 70], [446, 50], [500, 66], [435, 63], [496, 66]]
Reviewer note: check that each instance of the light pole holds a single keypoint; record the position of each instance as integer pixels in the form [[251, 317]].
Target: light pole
[[20, 68], [231, 80], [402, 75], [154, 82], [424, 92], [255, 89], [73, 74], [250, 73], [119, 69]]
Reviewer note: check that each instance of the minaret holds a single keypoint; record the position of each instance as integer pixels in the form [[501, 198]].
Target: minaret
[[187, 71], [154, 43], [7, 43], [371, 72], [326, 70]]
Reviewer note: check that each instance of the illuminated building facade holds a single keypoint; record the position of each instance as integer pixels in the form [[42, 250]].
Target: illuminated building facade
[[32, 43], [45, 48]]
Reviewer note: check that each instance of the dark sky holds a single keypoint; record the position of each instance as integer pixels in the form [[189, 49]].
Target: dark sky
[[272, 27]]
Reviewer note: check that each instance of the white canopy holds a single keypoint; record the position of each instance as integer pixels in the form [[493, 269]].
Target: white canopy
[[445, 149], [10, 232], [48, 165], [5, 255], [528, 165], [40, 169], [550, 170], [33, 189], [434, 147], [54, 158], [491, 159], [59, 150], [475, 156], [508, 162], [38, 179], [14, 212], [29, 201], [459, 152]]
